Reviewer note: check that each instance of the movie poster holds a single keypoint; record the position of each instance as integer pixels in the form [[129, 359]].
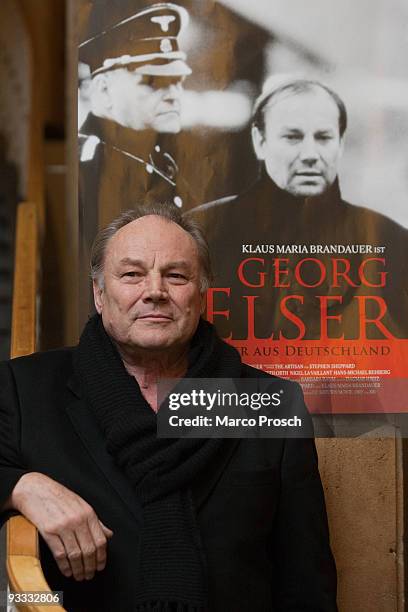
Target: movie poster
[[281, 128]]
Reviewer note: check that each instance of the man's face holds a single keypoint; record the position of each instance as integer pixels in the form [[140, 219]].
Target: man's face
[[301, 145], [151, 298], [145, 102]]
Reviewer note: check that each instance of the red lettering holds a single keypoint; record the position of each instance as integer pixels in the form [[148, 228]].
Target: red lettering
[[324, 317], [242, 278], [278, 273], [382, 275], [251, 315], [292, 317], [364, 321], [298, 275], [211, 313], [342, 273]]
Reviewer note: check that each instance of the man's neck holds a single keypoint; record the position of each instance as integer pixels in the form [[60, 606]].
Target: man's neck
[[331, 195], [148, 369]]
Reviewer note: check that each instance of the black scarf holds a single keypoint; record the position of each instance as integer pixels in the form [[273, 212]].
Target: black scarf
[[170, 563]]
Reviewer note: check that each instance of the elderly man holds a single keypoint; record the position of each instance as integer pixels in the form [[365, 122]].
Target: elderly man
[[316, 266], [152, 523]]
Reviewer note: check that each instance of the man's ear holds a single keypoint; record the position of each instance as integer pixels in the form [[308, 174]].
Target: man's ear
[[341, 147], [98, 296], [258, 142]]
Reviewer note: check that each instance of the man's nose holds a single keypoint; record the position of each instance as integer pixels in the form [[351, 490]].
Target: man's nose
[[155, 289], [308, 152], [172, 91]]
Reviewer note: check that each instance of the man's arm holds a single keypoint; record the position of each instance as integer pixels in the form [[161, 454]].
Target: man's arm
[[68, 524], [12, 467]]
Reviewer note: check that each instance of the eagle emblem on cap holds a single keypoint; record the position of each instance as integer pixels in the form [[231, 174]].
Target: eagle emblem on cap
[[163, 21]]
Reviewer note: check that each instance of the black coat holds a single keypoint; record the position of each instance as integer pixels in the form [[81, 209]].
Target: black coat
[[261, 512], [120, 168]]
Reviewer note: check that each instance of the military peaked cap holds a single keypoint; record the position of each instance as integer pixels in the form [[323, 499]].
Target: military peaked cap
[[146, 41]]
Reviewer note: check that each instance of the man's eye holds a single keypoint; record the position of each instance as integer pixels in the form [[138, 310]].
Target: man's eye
[[323, 137], [292, 137], [131, 274], [147, 80], [177, 276]]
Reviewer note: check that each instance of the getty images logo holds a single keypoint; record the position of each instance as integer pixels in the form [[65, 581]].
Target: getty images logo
[[209, 400]]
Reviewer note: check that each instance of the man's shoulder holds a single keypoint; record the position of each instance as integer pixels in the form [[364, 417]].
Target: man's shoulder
[[226, 221], [375, 218], [211, 212], [233, 213], [51, 362]]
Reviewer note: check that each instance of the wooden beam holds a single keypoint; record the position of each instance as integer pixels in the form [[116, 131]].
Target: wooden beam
[[23, 564], [23, 329]]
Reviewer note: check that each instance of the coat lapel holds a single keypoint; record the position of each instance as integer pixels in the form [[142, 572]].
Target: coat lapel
[[203, 489], [94, 442], [92, 438]]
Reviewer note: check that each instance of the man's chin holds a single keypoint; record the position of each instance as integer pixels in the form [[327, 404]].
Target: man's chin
[[308, 190], [153, 341], [168, 123]]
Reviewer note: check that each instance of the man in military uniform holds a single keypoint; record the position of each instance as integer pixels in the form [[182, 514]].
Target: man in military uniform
[[136, 70], [285, 289]]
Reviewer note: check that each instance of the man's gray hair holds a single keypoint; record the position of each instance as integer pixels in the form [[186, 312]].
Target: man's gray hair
[[273, 91], [166, 211]]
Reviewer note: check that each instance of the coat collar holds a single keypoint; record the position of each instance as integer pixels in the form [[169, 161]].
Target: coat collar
[[282, 198], [277, 216], [136, 142]]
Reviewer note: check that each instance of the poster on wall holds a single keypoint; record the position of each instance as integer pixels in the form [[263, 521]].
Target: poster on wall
[[281, 128]]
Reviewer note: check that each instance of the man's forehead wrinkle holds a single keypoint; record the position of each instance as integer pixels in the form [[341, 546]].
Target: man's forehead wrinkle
[[154, 243], [290, 128], [153, 259], [293, 102], [320, 129], [159, 225], [180, 263], [130, 260]]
